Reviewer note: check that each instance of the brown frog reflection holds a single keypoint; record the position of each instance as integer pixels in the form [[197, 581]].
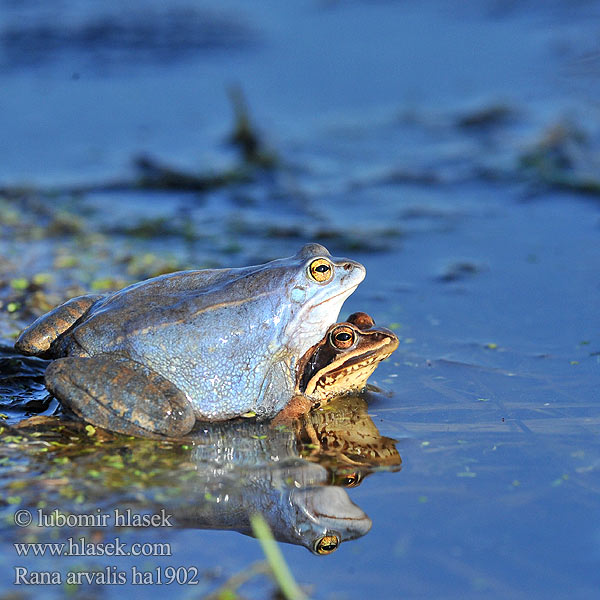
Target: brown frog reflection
[[344, 439]]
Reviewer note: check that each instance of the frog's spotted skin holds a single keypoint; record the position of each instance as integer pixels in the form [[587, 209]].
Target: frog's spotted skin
[[225, 342]]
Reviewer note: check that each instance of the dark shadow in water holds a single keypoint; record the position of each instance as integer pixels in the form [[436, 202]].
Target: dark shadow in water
[[22, 391], [142, 35]]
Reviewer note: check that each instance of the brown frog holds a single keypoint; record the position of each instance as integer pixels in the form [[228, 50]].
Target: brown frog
[[340, 363]]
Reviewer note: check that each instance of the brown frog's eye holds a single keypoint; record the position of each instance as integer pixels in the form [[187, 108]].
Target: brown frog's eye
[[349, 480], [326, 544], [321, 270], [342, 337]]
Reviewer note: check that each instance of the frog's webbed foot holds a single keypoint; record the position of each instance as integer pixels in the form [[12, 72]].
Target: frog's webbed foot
[[121, 395]]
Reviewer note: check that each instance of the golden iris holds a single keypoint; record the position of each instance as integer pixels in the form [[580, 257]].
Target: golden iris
[[342, 337], [351, 480], [321, 270], [326, 544]]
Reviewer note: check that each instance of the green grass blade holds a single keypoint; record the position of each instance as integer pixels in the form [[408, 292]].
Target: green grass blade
[[281, 572]]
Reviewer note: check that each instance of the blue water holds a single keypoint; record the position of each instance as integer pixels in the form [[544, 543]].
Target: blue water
[[489, 277]]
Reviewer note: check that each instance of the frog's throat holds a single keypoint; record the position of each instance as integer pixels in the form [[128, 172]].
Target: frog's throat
[[344, 293], [312, 322]]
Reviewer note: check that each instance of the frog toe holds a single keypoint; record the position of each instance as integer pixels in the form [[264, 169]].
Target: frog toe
[[121, 395]]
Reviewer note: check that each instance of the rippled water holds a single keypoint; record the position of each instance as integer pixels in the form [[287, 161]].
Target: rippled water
[[454, 152]]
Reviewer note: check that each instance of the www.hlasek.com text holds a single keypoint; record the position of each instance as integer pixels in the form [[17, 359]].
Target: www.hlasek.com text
[[81, 547]]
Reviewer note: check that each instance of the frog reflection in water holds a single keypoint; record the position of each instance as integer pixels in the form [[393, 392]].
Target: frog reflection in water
[[195, 345], [305, 503], [294, 479], [224, 473]]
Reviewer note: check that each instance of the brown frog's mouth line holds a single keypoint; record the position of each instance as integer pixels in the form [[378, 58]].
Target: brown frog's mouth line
[[367, 359], [364, 360]]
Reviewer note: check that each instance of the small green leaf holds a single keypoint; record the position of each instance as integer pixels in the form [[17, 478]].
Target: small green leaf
[[281, 572], [13, 439], [41, 278], [103, 284], [19, 284]]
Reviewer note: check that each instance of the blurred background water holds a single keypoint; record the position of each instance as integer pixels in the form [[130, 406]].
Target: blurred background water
[[454, 149]]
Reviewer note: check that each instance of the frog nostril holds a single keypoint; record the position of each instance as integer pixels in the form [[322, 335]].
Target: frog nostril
[[347, 266]]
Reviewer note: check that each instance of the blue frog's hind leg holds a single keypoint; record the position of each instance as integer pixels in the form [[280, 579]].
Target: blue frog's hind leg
[[118, 394]]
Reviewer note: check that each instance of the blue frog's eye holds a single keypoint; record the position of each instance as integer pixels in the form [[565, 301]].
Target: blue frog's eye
[[326, 544], [321, 270]]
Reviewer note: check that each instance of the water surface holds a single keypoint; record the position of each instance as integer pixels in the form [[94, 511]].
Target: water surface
[[452, 151]]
